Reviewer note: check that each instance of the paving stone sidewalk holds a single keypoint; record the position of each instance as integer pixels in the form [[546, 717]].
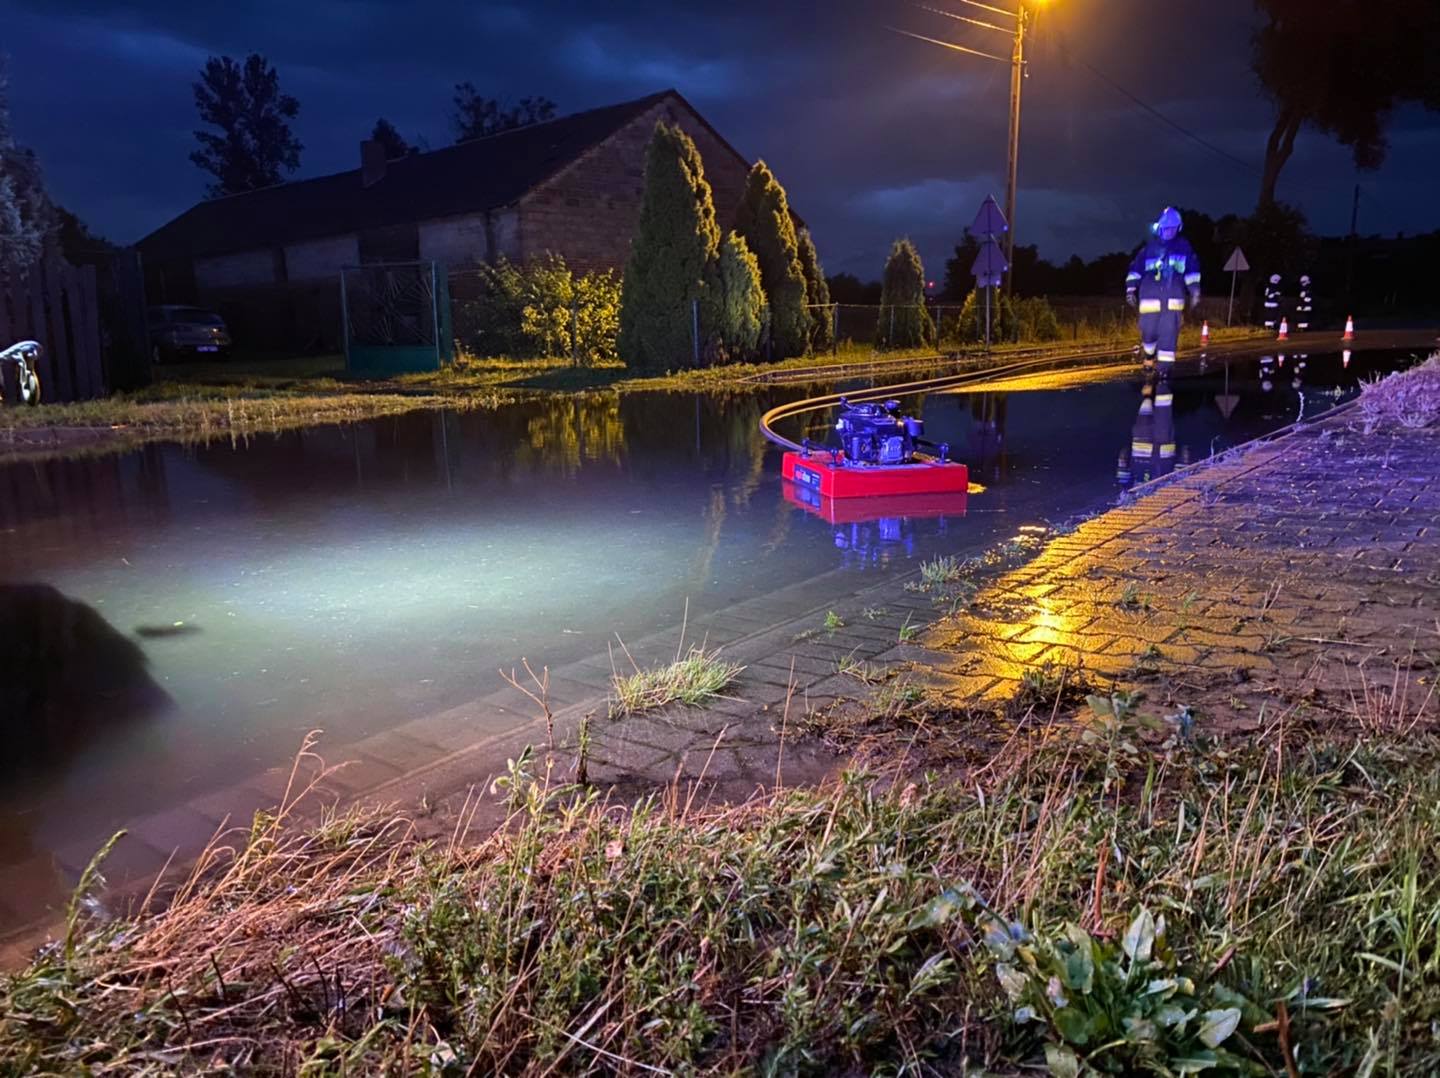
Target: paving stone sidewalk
[[1305, 570]]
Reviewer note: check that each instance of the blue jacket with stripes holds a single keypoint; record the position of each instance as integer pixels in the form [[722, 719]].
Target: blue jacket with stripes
[[1164, 271]]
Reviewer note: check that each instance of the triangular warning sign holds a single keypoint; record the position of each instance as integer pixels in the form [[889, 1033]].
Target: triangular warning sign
[[1237, 263], [1226, 402]]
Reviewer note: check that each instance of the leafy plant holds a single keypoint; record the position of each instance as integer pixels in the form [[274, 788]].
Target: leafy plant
[[833, 621], [541, 308], [1118, 1008]]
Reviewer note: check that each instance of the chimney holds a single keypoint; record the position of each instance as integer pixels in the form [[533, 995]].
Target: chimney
[[372, 162]]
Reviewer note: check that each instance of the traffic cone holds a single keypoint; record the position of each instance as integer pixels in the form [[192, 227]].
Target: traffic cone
[[1205, 332], [1345, 359], [1284, 330], [1349, 328]]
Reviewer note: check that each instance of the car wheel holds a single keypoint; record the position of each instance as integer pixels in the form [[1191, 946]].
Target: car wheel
[[30, 388]]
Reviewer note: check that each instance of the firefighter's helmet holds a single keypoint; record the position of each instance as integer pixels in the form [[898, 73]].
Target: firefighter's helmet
[[1167, 226]]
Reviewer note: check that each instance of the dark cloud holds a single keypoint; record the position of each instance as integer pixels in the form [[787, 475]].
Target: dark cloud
[[874, 134]]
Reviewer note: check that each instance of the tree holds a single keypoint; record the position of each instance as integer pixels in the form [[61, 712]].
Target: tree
[[78, 245], [846, 288], [1342, 67], [255, 145], [958, 279], [676, 240], [26, 217], [817, 294], [395, 145], [735, 301], [904, 322], [764, 220], [478, 117]]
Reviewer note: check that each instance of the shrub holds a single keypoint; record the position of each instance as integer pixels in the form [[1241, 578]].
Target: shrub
[[542, 308], [1035, 320], [1010, 319], [904, 322], [676, 241], [764, 221], [817, 295], [735, 303]]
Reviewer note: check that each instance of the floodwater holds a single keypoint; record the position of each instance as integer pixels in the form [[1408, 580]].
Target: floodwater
[[176, 618]]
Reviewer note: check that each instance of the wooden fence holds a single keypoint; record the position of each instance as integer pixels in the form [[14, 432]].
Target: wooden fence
[[56, 304]]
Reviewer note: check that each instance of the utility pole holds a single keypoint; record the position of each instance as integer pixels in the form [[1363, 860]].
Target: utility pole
[[1017, 75], [1022, 16], [1350, 249]]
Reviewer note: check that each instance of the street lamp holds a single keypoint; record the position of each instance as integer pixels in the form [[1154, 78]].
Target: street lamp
[[1021, 17]]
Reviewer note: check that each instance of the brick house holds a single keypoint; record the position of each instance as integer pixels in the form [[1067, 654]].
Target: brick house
[[270, 259]]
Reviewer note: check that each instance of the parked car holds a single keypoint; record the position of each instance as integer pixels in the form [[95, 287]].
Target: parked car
[[186, 331]]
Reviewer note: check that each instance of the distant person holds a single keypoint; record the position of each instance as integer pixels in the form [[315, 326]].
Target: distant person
[[1273, 296], [1161, 275], [1304, 305]]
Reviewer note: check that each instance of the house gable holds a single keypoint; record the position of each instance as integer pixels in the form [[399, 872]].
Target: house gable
[[588, 210]]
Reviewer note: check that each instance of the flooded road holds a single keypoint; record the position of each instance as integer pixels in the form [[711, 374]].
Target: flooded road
[[176, 618]]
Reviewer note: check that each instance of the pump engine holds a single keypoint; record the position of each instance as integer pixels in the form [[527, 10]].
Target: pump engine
[[876, 434]]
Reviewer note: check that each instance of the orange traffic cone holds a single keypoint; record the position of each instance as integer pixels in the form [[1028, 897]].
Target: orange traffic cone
[[1349, 328], [1205, 332], [1284, 330]]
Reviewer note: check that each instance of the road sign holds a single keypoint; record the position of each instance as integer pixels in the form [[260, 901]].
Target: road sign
[[1227, 403], [1236, 265], [990, 221], [990, 262]]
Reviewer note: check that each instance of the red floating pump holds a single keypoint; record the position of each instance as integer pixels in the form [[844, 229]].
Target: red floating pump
[[879, 455]]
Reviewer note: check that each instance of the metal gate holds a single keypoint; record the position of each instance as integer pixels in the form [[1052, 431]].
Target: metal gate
[[396, 317]]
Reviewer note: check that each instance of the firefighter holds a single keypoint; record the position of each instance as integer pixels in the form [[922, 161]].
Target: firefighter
[[1272, 302], [1162, 273], [1304, 305]]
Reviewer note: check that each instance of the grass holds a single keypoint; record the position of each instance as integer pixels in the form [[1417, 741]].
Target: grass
[[197, 413], [1281, 891], [695, 678], [1407, 400]]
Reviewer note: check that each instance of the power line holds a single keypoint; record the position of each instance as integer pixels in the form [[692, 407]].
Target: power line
[[949, 45], [1249, 166], [966, 19], [987, 7]]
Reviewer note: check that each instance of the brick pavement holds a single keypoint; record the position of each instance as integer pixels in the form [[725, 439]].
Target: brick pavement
[[1304, 570]]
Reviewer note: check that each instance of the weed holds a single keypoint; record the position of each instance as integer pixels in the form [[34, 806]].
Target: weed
[[909, 632], [870, 613], [898, 694], [833, 622], [695, 679], [1132, 598], [869, 673], [582, 749]]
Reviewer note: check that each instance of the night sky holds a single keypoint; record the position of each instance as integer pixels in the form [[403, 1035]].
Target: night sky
[[874, 135]]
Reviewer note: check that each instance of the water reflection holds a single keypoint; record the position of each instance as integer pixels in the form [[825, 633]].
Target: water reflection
[[874, 532], [1152, 435]]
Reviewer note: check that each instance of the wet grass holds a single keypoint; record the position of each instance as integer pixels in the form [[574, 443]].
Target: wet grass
[[1266, 906], [1406, 400], [695, 678], [202, 414]]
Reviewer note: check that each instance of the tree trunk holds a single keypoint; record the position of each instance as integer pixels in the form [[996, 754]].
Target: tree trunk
[[1278, 149]]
